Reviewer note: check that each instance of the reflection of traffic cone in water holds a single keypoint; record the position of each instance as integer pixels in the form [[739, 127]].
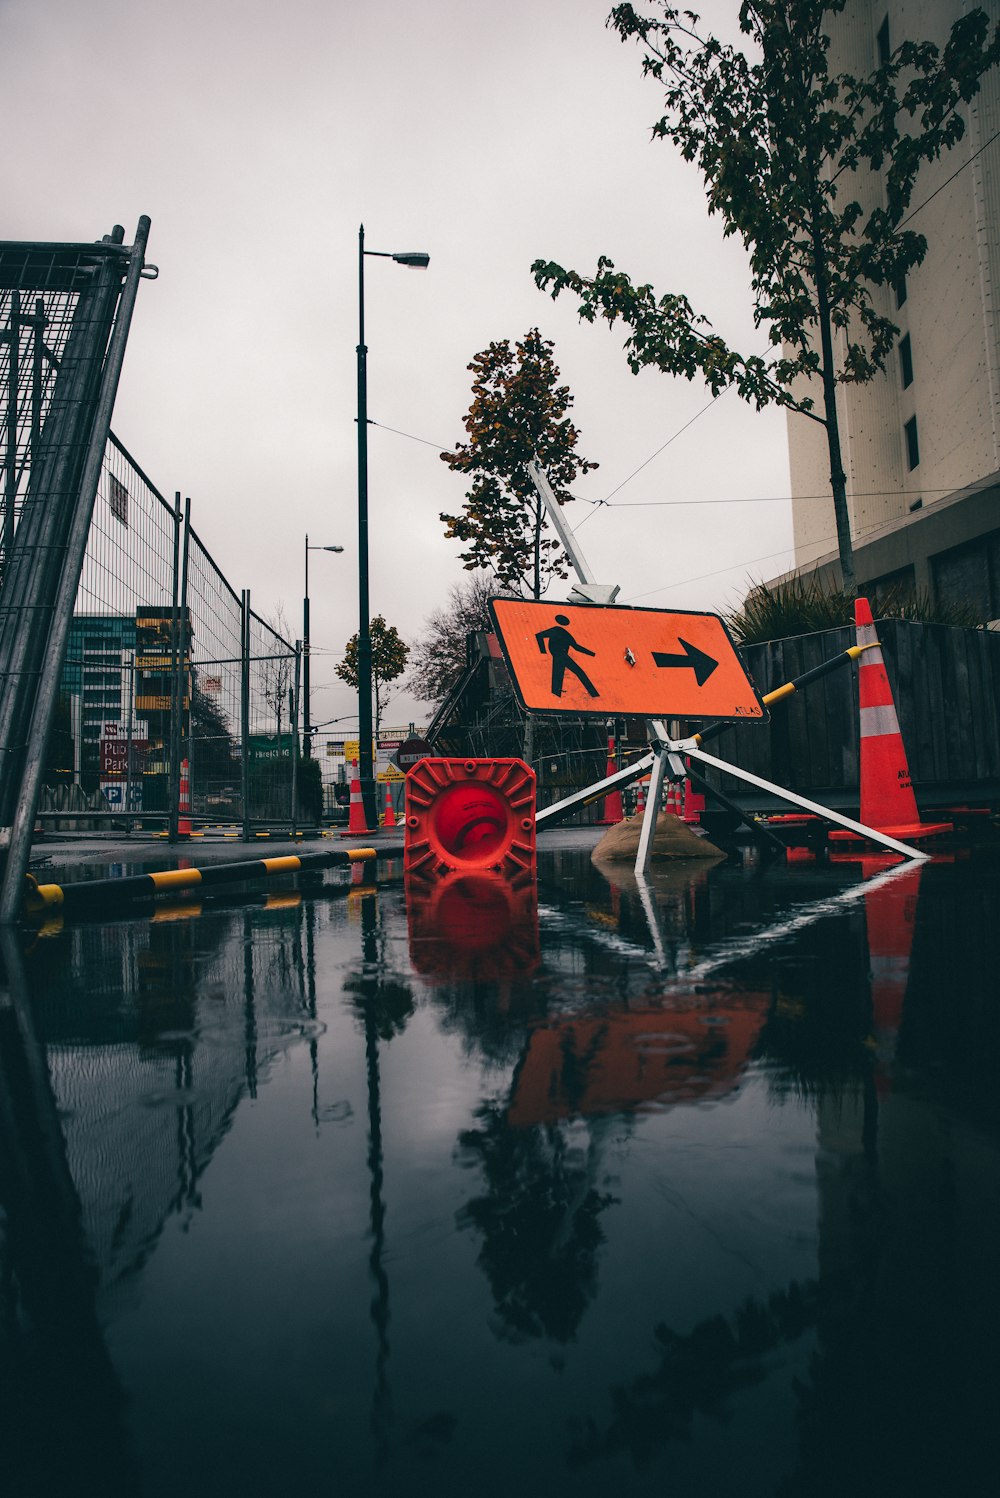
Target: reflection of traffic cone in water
[[887, 800], [356, 824], [890, 914], [613, 811], [389, 820]]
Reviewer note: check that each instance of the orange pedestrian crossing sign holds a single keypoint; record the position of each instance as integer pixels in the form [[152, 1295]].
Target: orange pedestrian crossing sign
[[601, 661]]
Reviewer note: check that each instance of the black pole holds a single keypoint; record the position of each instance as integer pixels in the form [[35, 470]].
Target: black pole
[[364, 621], [174, 763], [306, 721]]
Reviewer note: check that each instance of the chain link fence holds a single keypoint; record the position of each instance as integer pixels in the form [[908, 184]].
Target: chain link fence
[[177, 701]]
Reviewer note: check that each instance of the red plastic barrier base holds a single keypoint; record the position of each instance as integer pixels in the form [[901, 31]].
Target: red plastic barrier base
[[911, 832], [464, 814]]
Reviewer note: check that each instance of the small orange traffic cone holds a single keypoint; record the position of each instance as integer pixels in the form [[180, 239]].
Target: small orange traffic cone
[[694, 803], [613, 810], [673, 799], [356, 824], [184, 801], [640, 798], [887, 800], [389, 820]]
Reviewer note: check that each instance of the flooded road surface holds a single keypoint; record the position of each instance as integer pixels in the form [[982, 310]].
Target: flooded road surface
[[576, 1190]]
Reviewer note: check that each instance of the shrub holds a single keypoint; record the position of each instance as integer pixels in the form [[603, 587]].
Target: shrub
[[801, 606]]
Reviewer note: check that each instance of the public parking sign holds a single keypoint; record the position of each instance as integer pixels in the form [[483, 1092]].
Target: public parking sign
[[600, 661]]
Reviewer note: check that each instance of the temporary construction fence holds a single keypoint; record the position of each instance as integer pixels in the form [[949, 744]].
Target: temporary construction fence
[[65, 312], [169, 666], [124, 651]]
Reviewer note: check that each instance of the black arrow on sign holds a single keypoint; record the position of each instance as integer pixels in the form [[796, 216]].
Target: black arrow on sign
[[703, 665]]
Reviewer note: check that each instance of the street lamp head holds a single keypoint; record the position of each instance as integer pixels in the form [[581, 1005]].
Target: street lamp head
[[416, 259], [329, 548]]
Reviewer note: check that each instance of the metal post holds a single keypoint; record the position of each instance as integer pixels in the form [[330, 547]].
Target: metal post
[[37, 348], [185, 650], [76, 728], [128, 742], [10, 461], [644, 851], [245, 709], [306, 721], [364, 621], [174, 761], [293, 713]]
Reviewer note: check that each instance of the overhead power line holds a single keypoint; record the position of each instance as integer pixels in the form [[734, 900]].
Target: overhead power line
[[946, 181]]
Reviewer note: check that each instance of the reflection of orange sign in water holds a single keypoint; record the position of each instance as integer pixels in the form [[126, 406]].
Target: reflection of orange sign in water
[[603, 661], [614, 1062]]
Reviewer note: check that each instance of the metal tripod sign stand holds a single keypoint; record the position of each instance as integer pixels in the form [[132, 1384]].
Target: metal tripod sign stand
[[666, 758]]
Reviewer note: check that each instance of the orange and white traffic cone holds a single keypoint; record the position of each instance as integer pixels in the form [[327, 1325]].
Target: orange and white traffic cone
[[184, 801], [356, 824], [612, 811], [389, 820], [887, 800], [640, 798], [694, 803]]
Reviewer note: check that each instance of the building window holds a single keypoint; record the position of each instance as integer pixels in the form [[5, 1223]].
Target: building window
[[969, 575], [882, 42], [894, 587], [912, 445], [906, 360], [900, 291]]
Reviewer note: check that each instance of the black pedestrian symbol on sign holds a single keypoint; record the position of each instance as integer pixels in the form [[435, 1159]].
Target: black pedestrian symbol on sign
[[561, 642]]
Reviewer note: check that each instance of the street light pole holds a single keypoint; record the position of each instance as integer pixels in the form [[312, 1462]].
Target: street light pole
[[418, 260], [306, 719]]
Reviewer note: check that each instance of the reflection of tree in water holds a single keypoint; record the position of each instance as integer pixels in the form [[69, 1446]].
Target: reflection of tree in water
[[699, 1373], [492, 1018], [539, 1222]]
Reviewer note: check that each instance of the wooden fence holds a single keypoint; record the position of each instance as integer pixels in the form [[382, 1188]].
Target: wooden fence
[[946, 686]]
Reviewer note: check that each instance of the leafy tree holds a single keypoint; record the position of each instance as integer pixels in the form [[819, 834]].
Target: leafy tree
[[389, 656], [518, 412], [439, 656], [785, 148], [310, 789]]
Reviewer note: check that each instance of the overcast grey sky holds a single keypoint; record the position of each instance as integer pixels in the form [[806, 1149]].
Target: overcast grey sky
[[258, 136]]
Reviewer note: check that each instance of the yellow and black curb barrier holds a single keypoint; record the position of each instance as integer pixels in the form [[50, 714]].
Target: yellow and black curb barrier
[[92, 894]]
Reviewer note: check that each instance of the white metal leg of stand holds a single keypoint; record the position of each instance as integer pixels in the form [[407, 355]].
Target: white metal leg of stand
[[644, 852], [871, 833]]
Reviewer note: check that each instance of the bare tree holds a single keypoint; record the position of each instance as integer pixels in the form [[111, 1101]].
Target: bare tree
[[439, 656], [276, 671]]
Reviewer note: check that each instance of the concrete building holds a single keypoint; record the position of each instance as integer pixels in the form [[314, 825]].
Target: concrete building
[[96, 681], [921, 443]]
